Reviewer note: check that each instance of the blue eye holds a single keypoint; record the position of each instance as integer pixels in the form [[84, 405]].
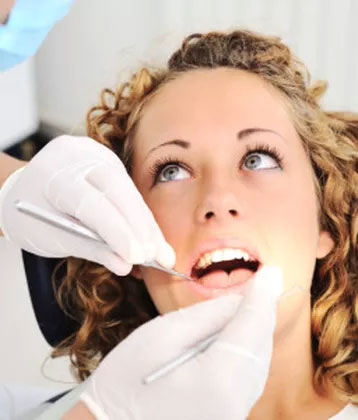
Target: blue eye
[[268, 152], [258, 158], [168, 169], [170, 173], [172, 169]]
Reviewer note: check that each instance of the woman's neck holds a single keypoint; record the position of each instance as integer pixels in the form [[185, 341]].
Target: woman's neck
[[289, 392]]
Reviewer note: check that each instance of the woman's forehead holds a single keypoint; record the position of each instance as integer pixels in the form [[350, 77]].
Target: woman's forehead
[[217, 102], [214, 96]]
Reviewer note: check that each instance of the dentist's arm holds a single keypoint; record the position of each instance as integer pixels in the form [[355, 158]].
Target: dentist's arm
[[79, 412], [8, 165], [5, 8]]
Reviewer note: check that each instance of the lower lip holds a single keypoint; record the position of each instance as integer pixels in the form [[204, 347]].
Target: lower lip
[[210, 291]]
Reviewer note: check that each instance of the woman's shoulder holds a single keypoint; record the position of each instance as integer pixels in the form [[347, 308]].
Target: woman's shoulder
[[56, 410]]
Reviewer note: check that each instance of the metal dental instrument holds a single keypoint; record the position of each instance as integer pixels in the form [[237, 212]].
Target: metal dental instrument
[[198, 348], [72, 226]]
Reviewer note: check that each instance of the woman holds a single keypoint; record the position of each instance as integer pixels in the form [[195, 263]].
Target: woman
[[230, 149]]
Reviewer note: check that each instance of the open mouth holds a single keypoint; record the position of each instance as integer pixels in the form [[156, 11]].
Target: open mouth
[[225, 273], [227, 266]]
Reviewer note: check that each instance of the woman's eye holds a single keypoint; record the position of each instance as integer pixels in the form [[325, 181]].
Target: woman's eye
[[172, 172], [254, 159], [173, 169]]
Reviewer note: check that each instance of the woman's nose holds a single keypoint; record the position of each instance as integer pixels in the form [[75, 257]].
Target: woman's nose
[[219, 205]]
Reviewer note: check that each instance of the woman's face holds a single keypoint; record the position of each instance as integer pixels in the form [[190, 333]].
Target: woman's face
[[208, 193]]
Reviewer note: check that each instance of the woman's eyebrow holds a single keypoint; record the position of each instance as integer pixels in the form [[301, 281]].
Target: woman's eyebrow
[[178, 142], [242, 134]]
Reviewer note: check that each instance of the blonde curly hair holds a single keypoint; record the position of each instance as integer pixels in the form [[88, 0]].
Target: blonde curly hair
[[108, 308]]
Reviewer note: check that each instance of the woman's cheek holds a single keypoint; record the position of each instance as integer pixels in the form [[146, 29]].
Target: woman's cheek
[[171, 207], [172, 217]]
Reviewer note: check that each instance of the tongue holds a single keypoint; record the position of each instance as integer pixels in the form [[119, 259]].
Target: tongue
[[220, 279]]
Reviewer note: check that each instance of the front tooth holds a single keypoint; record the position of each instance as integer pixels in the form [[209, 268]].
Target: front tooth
[[229, 254], [217, 256], [221, 255], [208, 260], [201, 263], [237, 253]]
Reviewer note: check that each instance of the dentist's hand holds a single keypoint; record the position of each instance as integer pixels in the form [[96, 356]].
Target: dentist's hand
[[223, 382], [83, 179]]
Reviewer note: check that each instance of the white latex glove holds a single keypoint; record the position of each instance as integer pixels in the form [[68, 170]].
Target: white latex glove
[[86, 180], [223, 382]]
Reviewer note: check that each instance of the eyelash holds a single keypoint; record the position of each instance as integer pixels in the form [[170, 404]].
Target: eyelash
[[264, 148]]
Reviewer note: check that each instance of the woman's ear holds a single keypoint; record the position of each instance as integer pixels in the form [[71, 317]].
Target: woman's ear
[[137, 272], [325, 244]]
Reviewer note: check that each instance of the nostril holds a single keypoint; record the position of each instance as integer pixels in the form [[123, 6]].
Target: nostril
[[209, 215]]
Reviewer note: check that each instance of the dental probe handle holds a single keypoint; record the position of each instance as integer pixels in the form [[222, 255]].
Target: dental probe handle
[[200, 347], [154, 264], [184, 357], [72, 226], [64, 223]]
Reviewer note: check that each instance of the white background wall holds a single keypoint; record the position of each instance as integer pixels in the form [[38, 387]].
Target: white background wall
[[18, 104], [101, 41]]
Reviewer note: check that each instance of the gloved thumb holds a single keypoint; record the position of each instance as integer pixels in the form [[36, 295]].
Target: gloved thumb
[[256, 317], [187, 326], [166, 255]]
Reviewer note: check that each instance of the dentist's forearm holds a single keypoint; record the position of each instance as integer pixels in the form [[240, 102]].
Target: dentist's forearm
[[5, 8], [79, 412], [8, 165]]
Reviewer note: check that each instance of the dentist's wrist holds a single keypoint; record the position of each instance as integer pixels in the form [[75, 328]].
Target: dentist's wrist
[[79, 412], [3, 19], [5, 9], [8, 165], [11, 169]]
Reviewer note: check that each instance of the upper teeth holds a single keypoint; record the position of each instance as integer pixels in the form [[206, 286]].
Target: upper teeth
[[226, 254]]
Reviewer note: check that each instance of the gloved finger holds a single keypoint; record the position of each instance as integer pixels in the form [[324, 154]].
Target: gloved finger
[[183, 328], [130, 203], [244, 347], [92, 208], [165, 254], [108, 259], [81, 198], [98, 213], [65, 189], [64, 150], [84, 249], [254, 322]]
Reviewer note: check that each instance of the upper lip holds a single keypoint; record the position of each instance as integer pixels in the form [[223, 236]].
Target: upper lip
[[221, 243]]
